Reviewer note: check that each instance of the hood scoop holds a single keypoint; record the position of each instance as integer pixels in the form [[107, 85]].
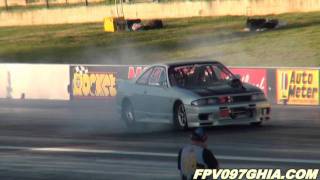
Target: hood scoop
[[236, 83]]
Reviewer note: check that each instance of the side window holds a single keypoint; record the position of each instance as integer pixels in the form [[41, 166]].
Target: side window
[[158, 77], [143, 79], [221, 75]]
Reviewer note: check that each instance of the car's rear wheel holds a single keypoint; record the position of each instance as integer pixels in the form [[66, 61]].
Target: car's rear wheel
[[180, 117], [128, 114]]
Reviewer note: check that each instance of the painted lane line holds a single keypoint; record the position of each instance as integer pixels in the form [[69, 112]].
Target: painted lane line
[[269, 159], [157, 154], [104, 151], [222, 157]]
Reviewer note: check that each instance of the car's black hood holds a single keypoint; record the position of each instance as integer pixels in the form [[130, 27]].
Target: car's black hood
[[224, 88]]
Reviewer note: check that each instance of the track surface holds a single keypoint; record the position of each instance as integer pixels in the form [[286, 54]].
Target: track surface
[[86, 140]]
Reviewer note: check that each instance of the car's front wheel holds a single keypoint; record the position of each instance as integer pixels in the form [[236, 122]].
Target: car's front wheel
[[128, 114], [180, 117]]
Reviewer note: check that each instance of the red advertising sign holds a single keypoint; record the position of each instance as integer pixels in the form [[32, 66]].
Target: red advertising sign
[[254, 76], [135, 71]]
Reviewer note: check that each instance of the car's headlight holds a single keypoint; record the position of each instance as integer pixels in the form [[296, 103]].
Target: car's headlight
[[205, 102], [258, 97]]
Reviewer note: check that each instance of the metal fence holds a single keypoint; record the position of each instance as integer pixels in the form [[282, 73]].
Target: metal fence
[[22, 4]]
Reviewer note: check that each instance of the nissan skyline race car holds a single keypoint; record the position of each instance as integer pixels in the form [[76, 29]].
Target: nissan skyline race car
[[191, 94]]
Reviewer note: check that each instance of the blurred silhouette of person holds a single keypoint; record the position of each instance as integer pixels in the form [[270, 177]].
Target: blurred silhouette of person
[[196, 155]]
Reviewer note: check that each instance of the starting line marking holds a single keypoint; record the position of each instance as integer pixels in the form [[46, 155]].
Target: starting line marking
[[170, 155]]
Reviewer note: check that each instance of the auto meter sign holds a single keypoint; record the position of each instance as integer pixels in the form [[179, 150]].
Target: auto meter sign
[[254, 76], [92, 82], [298, 86]]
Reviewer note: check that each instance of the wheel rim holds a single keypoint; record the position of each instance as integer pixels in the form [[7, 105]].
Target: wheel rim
[[129, 114], [182, 118]]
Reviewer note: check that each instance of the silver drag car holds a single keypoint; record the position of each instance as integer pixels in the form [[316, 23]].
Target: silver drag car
[[191, 94]]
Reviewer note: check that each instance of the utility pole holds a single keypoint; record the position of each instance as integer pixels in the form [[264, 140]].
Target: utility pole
[[9, 87], [47, 3], [6, 4]]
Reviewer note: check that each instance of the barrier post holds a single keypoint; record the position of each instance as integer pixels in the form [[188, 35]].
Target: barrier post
[[272, 88]]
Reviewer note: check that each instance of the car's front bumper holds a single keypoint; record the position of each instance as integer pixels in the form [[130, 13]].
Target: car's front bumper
[[241, 113]]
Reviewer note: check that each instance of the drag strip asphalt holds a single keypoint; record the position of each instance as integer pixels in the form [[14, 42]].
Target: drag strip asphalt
[[87, 140]]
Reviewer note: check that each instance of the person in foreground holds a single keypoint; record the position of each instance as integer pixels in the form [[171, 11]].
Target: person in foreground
[[196, 155]]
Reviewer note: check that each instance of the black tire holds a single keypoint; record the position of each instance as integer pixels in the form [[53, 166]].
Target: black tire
[[256, 124], [180, 121], [128, 114]]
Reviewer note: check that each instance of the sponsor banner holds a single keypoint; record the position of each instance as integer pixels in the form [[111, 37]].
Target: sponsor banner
[[34, 81], [93, 82], [135, 71], [99, 81], [298, 86], [254, 76]]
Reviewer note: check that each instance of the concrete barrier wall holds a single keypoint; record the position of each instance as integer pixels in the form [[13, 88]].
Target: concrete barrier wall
[[13, 3], [31, 81], [289, 86], [44, 2], [157, 10]]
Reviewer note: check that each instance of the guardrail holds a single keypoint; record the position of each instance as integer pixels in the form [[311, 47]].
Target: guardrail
[[282, 85]]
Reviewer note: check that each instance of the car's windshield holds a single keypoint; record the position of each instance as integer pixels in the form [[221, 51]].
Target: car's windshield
[[198, 75]]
